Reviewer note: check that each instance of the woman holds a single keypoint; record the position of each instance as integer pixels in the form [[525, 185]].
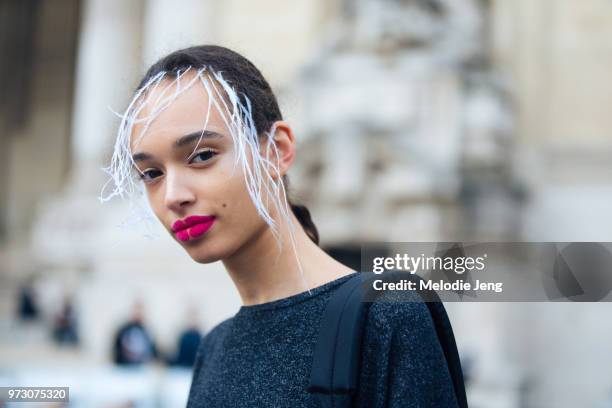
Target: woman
[[205, 135]]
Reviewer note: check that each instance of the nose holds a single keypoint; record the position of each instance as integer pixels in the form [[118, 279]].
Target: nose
[[178, 193]]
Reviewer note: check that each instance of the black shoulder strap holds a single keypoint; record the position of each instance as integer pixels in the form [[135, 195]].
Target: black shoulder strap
[[335, 368]]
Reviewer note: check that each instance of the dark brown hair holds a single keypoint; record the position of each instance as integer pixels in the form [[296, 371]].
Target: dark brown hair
[[248, 82]]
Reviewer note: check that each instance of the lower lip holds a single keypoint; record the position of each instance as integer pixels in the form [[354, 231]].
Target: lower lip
[[195, 231]]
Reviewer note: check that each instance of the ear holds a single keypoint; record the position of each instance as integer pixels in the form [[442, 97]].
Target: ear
[[284, 141]]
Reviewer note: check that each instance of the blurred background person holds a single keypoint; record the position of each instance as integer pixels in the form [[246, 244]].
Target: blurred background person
[[27, 306], [188, 341], [65, 324], [133, 344]]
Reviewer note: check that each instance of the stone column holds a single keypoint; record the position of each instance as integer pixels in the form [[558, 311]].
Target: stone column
[[108, 63], [67, 226]]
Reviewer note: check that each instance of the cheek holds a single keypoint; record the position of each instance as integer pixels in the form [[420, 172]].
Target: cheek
[[238, 215], [235, 201], [155, 201], [238, 220]]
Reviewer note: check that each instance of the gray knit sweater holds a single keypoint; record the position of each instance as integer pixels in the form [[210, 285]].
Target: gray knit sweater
[[262, 356]]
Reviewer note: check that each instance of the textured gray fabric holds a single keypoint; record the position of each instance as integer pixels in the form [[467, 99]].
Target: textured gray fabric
[[262, 356]]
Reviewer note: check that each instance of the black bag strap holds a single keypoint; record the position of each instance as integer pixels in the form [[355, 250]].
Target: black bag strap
[[335, 368], [449, 347], [331, 381]]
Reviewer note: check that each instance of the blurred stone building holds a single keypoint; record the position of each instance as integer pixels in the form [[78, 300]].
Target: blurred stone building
[[424, 120]]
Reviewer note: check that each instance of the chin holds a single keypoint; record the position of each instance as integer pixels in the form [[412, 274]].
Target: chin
[[204, 257], [205, 260], [206, 253]]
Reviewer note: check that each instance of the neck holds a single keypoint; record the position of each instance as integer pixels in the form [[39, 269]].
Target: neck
[[263, 272]]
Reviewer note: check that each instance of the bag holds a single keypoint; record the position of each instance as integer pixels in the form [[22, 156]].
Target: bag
[[335, 369]]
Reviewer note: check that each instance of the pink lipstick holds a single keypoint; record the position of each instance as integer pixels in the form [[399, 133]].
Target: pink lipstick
[[192, 226]]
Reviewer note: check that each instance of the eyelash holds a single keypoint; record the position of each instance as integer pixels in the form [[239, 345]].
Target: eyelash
[[143, 175]]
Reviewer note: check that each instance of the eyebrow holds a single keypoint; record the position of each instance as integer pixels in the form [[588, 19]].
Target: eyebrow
[[182, 141]]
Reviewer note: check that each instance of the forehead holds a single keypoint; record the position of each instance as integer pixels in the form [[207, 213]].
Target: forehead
[[174, 108]]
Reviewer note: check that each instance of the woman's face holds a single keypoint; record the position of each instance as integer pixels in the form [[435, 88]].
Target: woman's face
[[199, 196]]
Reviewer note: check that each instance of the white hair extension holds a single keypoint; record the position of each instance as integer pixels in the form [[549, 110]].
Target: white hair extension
[[237, 116], [164, 103], [118, 169], [244, 132]]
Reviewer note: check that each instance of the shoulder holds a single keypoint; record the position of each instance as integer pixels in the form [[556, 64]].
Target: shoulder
[[220, 328], [402, 323], [403, 357], [399, 311], [208, 343], [215, 334]]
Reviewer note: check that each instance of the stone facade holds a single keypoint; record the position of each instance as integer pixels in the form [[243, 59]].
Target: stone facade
[[479, 120]]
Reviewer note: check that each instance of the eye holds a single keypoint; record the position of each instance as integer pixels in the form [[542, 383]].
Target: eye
[[149, 175], [203, 156]]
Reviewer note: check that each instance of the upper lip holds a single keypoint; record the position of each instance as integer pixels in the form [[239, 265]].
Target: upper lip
[[189, 221]]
